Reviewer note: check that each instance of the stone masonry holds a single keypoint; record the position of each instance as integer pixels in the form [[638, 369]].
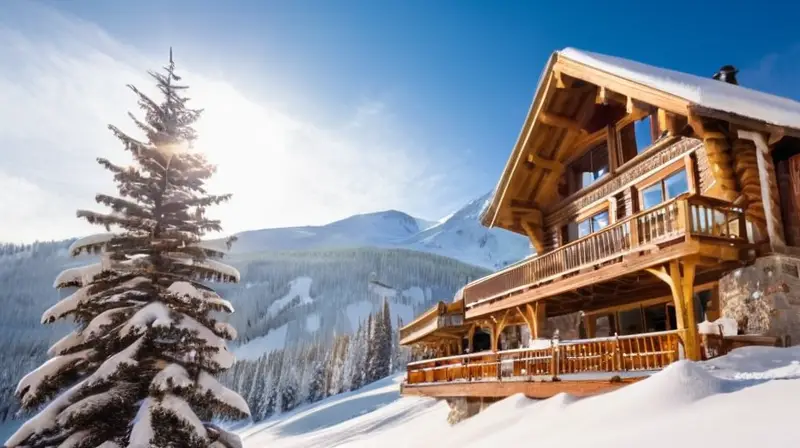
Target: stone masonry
[[764, 298]]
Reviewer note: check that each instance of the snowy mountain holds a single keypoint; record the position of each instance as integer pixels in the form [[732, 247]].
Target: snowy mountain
[[459, 235], [371, 229], [736, 401]]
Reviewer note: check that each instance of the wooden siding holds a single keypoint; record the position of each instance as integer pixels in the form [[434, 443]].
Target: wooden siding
[[628, 174]]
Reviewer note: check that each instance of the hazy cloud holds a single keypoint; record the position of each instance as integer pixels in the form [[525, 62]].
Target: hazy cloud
[[63, 80]]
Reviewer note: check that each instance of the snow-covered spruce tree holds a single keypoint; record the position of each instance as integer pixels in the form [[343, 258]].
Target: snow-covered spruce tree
[[139, 369]]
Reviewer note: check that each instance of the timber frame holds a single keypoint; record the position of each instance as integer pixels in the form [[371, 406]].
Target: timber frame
[[650, 226]]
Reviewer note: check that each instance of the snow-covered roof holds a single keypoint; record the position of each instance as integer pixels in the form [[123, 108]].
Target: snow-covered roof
[[701, 91], [674, 91]]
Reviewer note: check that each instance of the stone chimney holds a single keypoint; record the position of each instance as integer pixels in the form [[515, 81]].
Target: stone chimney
[[727, 74]]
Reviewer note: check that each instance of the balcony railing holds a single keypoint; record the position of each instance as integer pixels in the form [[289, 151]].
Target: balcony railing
[[682, 217], [431, 323], [613, 355]]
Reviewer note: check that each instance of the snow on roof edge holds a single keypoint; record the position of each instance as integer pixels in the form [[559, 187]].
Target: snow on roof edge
[[704, 92]]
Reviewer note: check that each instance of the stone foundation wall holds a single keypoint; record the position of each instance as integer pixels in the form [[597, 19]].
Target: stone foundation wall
[[462, 408], [764, 298]]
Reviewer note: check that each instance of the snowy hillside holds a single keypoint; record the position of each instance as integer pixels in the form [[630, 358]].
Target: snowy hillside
[[741, 400], [459, 235]]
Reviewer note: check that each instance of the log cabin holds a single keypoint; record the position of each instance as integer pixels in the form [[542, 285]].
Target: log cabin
[[663, 208]]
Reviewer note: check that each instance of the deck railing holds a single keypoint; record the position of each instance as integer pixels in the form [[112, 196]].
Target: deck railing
[[613, 355], [685, 217], [432, 323]]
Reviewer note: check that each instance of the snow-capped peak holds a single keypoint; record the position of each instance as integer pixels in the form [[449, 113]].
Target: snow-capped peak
[[459, 235]]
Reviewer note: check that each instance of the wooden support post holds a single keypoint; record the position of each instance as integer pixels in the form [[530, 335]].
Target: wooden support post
[[681, 284], [590, 323], [497, 330], [535, 234], [471, 338], [536, 318], [493, 336]]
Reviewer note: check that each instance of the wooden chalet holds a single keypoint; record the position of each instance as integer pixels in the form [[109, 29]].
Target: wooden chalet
[[639, 188]]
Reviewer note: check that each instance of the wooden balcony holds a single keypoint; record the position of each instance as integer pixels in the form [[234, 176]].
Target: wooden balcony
[[686, 225], [442, 321], [581, 367]]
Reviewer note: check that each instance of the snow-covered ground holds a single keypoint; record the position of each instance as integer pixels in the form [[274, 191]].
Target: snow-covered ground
[[299, 288], [274, 340], [745, 399]]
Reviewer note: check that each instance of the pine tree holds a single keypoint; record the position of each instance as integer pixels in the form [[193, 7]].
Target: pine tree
[[316, 385], [288, 390], [139, 369], [380, 341]]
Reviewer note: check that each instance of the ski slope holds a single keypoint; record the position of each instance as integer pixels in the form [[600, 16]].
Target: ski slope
[[746, 399]]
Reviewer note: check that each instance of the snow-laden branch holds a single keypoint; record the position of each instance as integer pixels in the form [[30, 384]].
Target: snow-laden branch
[[110, 366], [142, 431], [29, 385], [156, 314], [73, 339], [90, 244], [45, 419], [209, 269], [183, 288], [208, 383], [82, 275]]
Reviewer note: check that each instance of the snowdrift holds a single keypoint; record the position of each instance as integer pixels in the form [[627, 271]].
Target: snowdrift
[[741, 400]]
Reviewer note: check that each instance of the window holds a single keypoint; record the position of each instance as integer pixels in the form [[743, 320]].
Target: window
[[643, 129], [655, 318], [665, 189], [589, 167], [630, 322], [592, 224], [636, 137]]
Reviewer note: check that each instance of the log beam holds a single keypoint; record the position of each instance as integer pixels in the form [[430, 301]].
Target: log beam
[[637, 108], [535, 234], [606, 96], [552, 165], [769, 188], [667, 121], [719, 157], [681, 283], [558, 121]]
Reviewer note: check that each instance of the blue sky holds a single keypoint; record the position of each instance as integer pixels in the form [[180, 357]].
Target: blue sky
[[413, 105]]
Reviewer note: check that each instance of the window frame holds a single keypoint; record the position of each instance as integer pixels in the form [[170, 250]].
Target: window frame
[[575, 176], [684, 164]]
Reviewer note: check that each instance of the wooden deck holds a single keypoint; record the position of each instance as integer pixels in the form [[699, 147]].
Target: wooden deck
[[581, 367]]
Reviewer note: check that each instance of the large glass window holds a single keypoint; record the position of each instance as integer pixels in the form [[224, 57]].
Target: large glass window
[[636, 137], [664, 190], [589, 167], [592, 224], [655, 318], [644, 133], [630, 322]]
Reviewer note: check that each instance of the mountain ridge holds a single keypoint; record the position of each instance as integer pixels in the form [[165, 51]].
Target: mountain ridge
[[458, 235]]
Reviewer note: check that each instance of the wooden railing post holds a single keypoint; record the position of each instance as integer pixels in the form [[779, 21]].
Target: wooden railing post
[[617, 353], [742, 225], [554, 360], [684, 218]]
